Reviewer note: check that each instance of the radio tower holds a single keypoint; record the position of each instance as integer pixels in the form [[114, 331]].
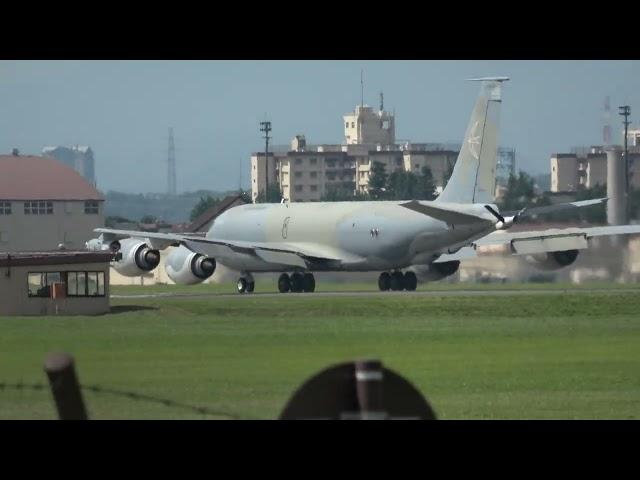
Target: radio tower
[[606, 129], [171, 173]]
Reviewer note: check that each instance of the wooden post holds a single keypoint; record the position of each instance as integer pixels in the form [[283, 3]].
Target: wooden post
[[65, 387]]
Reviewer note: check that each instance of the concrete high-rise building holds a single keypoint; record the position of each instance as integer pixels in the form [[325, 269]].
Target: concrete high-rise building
[[586, 168], [80, 158], [307, 172]]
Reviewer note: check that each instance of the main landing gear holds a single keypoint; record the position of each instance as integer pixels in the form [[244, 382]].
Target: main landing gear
[[397, 281], [246, 283], [296, 282]]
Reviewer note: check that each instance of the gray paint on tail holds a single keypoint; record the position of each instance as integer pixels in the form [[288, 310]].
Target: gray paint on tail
[[473, 178]]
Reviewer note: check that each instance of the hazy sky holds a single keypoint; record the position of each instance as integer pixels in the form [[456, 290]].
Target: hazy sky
[[123, 109]]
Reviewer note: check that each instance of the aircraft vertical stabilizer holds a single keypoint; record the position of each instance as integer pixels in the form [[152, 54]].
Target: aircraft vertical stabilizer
[[474, 175]]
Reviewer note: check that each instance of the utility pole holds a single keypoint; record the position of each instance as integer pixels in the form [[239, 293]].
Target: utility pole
[[266, 128], [625, 111]]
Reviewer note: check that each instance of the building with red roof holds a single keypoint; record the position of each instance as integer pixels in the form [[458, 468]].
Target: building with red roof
[[45, 205]]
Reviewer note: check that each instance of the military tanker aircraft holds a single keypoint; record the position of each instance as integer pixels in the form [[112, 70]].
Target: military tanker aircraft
[[392, 237]]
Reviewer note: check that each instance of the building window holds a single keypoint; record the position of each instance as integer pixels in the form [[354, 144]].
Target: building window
[[40, 207], [85, 284], [5, 208], [346, 125], [313, 174], [298, 174], [353, 125], [39, 283], [313, 161], [298, 161], [314, 188], [91, 207], [298, 188]]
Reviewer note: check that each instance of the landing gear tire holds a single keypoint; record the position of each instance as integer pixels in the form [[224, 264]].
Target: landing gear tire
[[284, 283], [251, 287], [410, 281], [397, 281], [242, 285], [308, 282], [384, 281], [297, 282]]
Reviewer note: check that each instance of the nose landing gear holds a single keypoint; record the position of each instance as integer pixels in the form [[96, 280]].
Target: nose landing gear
[[397, 281]]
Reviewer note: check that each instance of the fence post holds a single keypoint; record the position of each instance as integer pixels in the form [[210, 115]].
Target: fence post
[[65, 387]]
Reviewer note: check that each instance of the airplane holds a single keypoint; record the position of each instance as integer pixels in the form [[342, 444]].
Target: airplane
[[396, 238]]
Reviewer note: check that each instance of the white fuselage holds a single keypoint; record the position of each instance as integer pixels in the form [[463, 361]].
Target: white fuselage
[[384, 235]]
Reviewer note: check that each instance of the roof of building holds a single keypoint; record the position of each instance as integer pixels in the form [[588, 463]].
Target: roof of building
[[16, 259], [42, 178], [212, 212]]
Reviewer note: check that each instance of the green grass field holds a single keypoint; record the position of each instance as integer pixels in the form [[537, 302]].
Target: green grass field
[[574, 355]]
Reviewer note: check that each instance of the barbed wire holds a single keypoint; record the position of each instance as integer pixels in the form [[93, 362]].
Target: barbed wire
[[99, 389]]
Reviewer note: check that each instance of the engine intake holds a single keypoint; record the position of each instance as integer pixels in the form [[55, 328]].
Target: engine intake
[[135, 257], [553, 260], [187, 268]]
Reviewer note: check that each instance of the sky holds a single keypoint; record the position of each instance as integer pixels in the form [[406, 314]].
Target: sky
[[123, 109]]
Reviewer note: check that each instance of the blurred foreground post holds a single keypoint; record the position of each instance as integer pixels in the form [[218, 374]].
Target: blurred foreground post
[[65, 387]]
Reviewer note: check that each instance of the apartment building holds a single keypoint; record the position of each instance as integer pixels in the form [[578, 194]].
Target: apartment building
[[586, 168]]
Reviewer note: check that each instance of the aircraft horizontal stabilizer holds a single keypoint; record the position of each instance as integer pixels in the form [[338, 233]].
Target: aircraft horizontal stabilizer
[[444, 214]]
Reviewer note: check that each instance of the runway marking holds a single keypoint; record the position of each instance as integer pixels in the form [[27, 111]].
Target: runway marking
[[429, 293]]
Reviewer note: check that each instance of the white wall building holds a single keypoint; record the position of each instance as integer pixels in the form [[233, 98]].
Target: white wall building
[[45, 204]]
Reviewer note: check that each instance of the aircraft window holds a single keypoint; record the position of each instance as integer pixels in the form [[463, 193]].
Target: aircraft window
[[5, 208]]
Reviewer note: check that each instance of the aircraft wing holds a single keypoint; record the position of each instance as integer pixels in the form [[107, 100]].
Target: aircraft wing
[[524, 243], [299, 254]]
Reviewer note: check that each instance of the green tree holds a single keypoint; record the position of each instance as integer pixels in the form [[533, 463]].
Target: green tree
[[377, 181], [111, 222], [203, 205], [273, 195], [149, 219], [520, 192], [447, 173], [426, 185]]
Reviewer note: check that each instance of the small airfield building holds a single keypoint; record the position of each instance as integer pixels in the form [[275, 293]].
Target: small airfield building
[[54, 283]]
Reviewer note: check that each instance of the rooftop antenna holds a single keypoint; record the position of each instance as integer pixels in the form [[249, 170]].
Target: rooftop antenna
[[361, 87], [381, 101]]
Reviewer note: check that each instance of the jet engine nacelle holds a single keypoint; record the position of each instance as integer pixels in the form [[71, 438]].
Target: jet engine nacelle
[[187, 268], [552, 260], [135, 257], [436, 271]]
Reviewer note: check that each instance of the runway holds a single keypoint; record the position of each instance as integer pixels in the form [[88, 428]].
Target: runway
[[425, 293]]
